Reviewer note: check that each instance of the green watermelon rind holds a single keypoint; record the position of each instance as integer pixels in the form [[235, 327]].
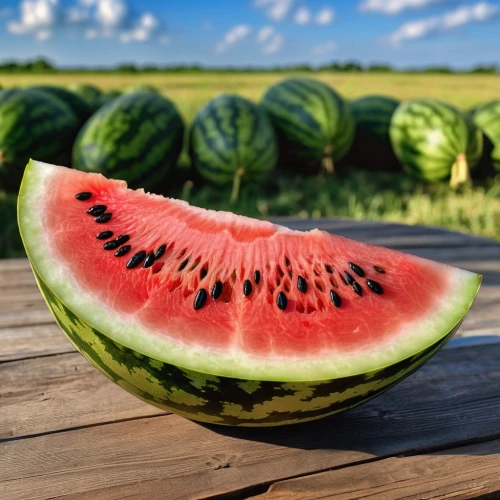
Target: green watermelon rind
[[416, 337], [311, 120], [225, 400], [428, 136], [137, 137], [230, 133], [33, 123], [486, 116]]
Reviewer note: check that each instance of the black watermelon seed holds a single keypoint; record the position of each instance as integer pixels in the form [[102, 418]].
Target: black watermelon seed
[[136, 259], [379, 269], [247, 288], [184, 264], [124, 250], [123, 238], [217, 290], [357, 270], [103, 218], [149, 260], [281, 301], [357, 288], [97, 210], [329, 269], [84, 196], [105, 235], [375, 287], [348, 278], [287, 261], [302, 284], [200, 299], [335, 297], [111, 245], [159, 253], [203, 272], [256, 277]]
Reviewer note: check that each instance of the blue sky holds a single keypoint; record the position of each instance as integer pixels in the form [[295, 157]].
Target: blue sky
[[251, 32]]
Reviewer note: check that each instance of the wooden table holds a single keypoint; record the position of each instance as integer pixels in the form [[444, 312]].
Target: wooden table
[[66, 432]]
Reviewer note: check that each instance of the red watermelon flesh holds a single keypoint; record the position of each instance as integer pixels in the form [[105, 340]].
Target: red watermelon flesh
[[410, 303]]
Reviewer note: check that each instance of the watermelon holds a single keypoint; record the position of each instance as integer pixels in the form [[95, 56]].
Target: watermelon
[[137, 137], [314, 124], [434, 141], [89, 93], [372, 149], [226, 319], [81, 109], [232, 139], [487, 117], [32, 123]]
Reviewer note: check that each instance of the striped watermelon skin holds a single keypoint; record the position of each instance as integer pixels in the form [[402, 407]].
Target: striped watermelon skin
[[429, 137], [81, 109], [109, 96], [372, 149], [486, 116], [312, 122], [137, 138], [32, 125], [225, 400], [231, 133]]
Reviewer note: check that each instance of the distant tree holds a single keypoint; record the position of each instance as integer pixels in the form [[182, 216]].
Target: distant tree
[[380, 68], [491, 70], [126, 68]]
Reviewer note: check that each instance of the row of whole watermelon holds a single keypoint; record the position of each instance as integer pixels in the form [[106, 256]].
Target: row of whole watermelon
[[301, 124]]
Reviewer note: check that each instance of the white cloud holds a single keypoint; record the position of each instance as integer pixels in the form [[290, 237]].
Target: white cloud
[[37, 16], [325, 16], [324, 48], [275, 9], [391, 7], [91, 18], [265, 33], [235, 34], [436, 25], [145, 28], [274, 44], [302, 16]]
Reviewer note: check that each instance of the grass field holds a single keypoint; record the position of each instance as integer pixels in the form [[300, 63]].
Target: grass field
[[351, 194]]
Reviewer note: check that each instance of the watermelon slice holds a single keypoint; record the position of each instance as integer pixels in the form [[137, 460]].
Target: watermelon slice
[[226, 319]]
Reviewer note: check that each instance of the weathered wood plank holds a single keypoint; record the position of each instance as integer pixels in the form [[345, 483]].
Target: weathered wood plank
[[453, 399], [461, 473], [32, 341], [60, 392]]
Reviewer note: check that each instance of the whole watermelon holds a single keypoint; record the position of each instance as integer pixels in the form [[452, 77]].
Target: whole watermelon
[[232, 140], [314, 124], [372, 149], [137, 137], [81, 109], [89, 93], [434, 141], [487, 117], [35, 125]]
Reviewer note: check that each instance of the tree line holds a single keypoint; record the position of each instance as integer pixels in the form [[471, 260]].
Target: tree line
[[42, 65]]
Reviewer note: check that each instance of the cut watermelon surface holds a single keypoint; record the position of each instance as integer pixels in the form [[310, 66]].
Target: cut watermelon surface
[[224, 318]]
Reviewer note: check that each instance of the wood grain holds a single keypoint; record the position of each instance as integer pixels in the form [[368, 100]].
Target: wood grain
[[462, 473], [451, 400], [61, 392]]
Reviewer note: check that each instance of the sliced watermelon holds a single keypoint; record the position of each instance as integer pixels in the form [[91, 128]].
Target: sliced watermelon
[[234, 321]]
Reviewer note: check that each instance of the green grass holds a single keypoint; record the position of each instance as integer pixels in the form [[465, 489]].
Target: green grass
[[349, 194]]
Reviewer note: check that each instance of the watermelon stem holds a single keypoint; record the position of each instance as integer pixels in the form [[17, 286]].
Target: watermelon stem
[[459, 172], [236, 184], [327, 160]]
